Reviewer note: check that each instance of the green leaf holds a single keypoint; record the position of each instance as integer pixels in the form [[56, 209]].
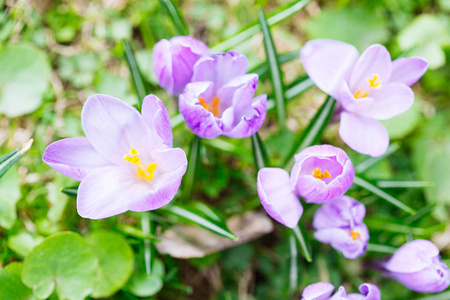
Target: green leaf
[[24, 78], [22, 243], [380, 249], [225, 146], [142, 285], [313, 132], [404, 184], [293, 268], [275, 71], [263, 69], [405, 123], [305, 247], [11, 286], [192, 165], [275, 18], [382, 224], [259, 152], [9, 195], [135, 73], [195, 215], [172, 11], [63, 262], [365, 165], [382, 194], [9, 159], [115, 262]]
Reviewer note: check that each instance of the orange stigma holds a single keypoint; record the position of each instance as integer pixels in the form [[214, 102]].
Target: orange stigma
[[319, 175], [214, 107], [355, 235], [372, 84]]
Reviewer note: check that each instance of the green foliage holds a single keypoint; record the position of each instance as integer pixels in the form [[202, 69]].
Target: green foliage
[[9, 195], [11, 286], [24, 77]]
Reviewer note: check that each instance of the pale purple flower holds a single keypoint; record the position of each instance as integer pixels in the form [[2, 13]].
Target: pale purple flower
[[173, 61], [125, 162], [323, 291], [320, 174], [340, 224], [418, 266], [219, 100], [368, 88]]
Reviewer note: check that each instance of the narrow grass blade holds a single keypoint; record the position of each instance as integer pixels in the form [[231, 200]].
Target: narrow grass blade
[[380, 249], [136, 233], [145, 225], [263, 69], [275, 70], [259, 152], [365, 165], [275, 18], [404, 184], [177, 20], [293, 270], [9, 159], [384, 225], [71, 191], [423, 211], [135, 73], [198, 217], [382, 194], [192, 165], [304, 245], [313, 132]]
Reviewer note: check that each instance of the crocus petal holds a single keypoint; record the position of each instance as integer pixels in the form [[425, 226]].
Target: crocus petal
[[328, 63], [220, 68], [318, 291], [428, 280], [277, 197], [370, 291], [173, 61], [343, 212], [113, 127], [389, 101], [157, 118], [408, 70], [341, 294], [364, 135], [74, 157], [375, 60], [412, 257], [201, 121], [171, 166], [106, 192]]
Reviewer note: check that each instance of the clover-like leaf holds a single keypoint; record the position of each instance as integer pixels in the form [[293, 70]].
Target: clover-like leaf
[[116, 262], [24, 75], [11, 286], [142, 285], [63, 262]]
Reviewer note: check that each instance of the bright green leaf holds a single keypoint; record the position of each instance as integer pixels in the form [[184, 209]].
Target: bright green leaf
[[142, 285], [9, 195], [23, 242], [11, 286], [63, 262]]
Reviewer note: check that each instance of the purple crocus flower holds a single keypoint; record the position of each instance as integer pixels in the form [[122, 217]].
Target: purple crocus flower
[[173, 61], [323, 291], [340, 224], [320, 174], [219, 100], [418, 266], [125, 162], [368, 88]]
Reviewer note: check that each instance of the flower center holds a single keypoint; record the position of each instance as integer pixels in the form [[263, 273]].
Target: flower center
[[372, 84], [355, 235], [214, 107], [319, 175], [146, 173]]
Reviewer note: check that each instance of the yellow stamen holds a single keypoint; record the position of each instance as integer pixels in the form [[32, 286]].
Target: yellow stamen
[[319, 175], [372, 84], [148, 174], [355, 235], [215, 105], [372, 81]]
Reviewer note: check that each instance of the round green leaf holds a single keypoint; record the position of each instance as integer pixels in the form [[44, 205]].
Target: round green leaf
[[64, 262], [9, 195], [116, 262], [24, 77], [11, 286], [142, 285]]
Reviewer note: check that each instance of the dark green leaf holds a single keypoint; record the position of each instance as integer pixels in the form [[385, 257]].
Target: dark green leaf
[[192, 214], [192, 165], [135, 73], [305, 247], [313, 132], [275, 18], [362, 167], [259, 152], [275, 71], [9, 159], [172, 11], [382, 194]]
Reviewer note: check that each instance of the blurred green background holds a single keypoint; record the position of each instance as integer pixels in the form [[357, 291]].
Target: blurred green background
[[54, 54]]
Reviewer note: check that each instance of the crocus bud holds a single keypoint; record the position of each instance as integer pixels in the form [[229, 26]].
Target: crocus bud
[[173, 61], [322, 174], [418, 266], [323, 290], [340, 224]]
